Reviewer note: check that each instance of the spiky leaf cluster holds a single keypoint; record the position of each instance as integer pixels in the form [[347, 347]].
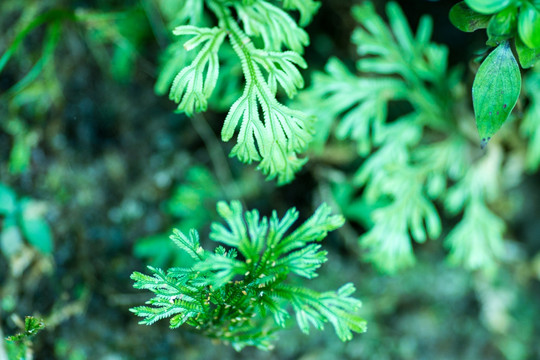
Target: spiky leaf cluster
[[241, 293], [267, 43], [414, 158]]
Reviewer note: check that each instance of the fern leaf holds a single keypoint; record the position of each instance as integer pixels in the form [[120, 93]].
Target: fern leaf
[[304, 262], [314, 229], [269, 132], [189, 244], [307, 9], [231, 299], [273, 25], [190, 89]]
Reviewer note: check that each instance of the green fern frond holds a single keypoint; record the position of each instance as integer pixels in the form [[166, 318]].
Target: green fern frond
[[190, 89], [183, 12], [307, 9], [269, 132], [415, 157], [188, 244], [230, 298], [276, 28], [477, 240], [313, 308]]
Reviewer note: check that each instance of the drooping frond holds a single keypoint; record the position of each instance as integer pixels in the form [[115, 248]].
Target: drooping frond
[[267, 42]]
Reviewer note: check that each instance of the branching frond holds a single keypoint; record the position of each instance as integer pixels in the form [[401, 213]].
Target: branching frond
[[230, 298], [269, 132], [190, 88], [414, 155], [313, 308], [276, 28], [307, 9], [476, 242]]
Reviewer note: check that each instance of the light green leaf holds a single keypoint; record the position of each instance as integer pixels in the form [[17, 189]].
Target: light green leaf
[[466, 19], [10, 240], [529, 25], [7, 200], [307, 9], [495, 91], [34, 227], [273, 25], [38, 233], [527, 57], [190, 89], [488, 6]]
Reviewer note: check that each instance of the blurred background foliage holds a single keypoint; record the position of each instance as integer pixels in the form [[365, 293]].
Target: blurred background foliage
[[96, 169]]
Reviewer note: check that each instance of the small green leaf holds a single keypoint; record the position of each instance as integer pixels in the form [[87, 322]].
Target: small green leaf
[[527, 57], [502, 25], [34, 227], [529, 25], [466, 19], [10, 240], [487, 6], [495, 91], [38, 233], [7, 200], [32, 326]]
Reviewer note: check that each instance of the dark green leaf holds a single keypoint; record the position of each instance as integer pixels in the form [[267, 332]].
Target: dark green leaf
[[529, 25], [495, 91], [466, 19], [502, 25], [488, 6]]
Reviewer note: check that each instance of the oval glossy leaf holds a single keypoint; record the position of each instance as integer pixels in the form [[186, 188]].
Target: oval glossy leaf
[[488, 6], [529, 25], [495, 91], [466, 19], [527, 57]]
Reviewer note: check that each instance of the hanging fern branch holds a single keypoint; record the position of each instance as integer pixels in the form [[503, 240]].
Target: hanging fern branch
[[231, 294], [269, 132]]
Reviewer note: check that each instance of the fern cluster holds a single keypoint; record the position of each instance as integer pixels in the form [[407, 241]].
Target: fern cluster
[[233, 293], [268, 44], [418, 163]]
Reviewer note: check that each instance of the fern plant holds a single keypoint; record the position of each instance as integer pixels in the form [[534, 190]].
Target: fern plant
[[268, 44], [418, 163], [234, 293], [19, 346]]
